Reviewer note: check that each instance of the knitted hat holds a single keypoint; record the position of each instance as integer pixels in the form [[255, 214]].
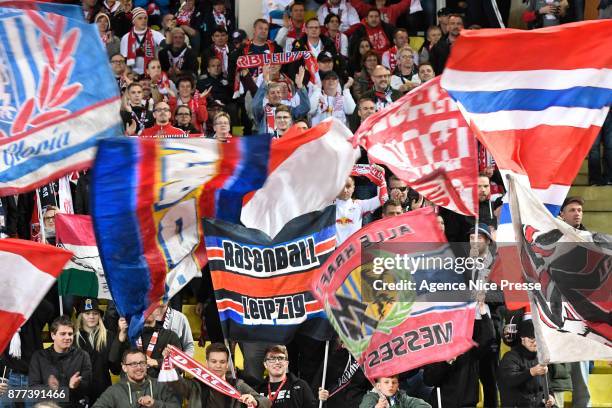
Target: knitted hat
[[105, 16], [137, 12]]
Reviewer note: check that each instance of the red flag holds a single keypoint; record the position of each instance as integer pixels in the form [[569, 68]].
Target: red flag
[[28, 269], [425, 141], [392, 331]]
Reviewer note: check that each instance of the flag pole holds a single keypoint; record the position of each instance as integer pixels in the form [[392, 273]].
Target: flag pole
[[230, 359], [324, 369], [439, 397]]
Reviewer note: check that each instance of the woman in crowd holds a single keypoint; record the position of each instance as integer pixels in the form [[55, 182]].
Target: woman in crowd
[[161, 87], [182, 119], [92, 336], [340, 40], [363, 78], [221, 125], [110, 41], [357, 54]]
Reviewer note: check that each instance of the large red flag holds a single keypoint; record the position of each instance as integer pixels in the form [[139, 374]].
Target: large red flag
[[423, 138], [27, 271], [390, 331]]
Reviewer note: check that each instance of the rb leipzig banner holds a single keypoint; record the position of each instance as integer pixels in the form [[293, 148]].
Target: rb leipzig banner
[[262, 284], [392, 331], [423, 138], [53, 110]]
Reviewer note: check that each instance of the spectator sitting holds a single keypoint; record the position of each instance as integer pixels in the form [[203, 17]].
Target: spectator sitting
[[136, 388], [405, 77], [221, 126], [400, 40], [434, 33], [357, 51], [162, 127], [182, 119], [382, 93], [201, 395], [363, 79], [281, 387], [386, 393], [196, 101], [219, 49], [426, 72], [62, 364]]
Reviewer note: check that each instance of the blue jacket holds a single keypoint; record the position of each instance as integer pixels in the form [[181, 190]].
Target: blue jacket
[[258, 107]]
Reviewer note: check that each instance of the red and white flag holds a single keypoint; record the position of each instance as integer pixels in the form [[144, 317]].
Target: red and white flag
[[27, 271], [425, 141], [307, 170]]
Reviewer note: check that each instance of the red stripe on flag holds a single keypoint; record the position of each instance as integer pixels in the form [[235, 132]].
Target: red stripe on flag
[[323, 247], [75, 229], [230, 304], [9, 323], [215, 253], [533, 152], [478, 50], [46, 258], [229, 157], [268, 287], [149, 149]]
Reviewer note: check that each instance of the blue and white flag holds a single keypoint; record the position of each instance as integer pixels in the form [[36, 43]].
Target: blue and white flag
[[57, 97]]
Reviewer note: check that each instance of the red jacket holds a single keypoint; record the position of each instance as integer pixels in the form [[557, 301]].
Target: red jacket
[[160, 132]]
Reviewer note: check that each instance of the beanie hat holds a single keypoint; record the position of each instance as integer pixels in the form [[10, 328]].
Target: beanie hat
[[137, 12]]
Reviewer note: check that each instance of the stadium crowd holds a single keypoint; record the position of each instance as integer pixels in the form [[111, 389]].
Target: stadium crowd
[[176, 65]]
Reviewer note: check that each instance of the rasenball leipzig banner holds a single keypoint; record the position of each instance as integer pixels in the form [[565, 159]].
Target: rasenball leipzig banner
[[262, 284]]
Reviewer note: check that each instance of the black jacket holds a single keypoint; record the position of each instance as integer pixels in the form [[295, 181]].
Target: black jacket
[[100, 364], [222, 89], [439, 54], [295, 393], [459, 381], [351, 395], [189, 67], [165, 338], [47, 362], [517, 387], [301, 44]]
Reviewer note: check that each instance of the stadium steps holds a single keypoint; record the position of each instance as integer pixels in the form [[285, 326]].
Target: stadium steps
[[598, 201]]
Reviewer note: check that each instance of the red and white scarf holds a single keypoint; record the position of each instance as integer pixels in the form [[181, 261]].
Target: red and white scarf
[[183, 17], [151, 344], [328, 105], [375, 176], [177, 358], [392, 58], [269, 111], [222, 53], [282, 58], [337, 39], [163, 84], [143, 47], [293, 31], [177, 62]]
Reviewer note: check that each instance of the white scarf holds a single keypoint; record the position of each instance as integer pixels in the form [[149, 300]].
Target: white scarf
[[15, 345]]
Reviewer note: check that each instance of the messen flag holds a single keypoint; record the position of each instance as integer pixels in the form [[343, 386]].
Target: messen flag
[[52, 109], [28, 269], [148, 197], [392, 331], [262, 284], [423, 138], [307, 171], [83, 275], [538, 114], [571, 309]]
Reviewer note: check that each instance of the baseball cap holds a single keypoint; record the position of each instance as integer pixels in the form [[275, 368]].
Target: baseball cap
[[572, 199], [325, 56], [239, 35]]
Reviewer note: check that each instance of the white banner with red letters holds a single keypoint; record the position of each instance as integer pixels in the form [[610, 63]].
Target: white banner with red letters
[[425, 141], [176, 358]]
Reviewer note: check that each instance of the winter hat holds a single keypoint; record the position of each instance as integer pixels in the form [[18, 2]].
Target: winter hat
[[105, 16], [137, 12], [526, 329], [483, 229]]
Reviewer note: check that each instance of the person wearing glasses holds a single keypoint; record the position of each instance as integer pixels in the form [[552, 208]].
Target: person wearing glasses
[[281, 388], [182, 120], [200, 395], [162, 127], [282, 120], [222, 127], [382, 93], [136, 388]]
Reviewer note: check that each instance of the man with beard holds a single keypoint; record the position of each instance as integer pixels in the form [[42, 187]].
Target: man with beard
[[382, 93], [61, 364], [162, 127], [136, 388], [440, 52]]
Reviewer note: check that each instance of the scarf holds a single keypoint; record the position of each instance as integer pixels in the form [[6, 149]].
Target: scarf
[[163, 84], [383, 98], [143, 47], [328, 108], [294, 31], [269, 110], [259, 60], [375, 176], [337, 39], [177, 62], [15, 345], [222, 53], [220, 20], [194, 105], [106, 37], [183, 17], [392, 58]]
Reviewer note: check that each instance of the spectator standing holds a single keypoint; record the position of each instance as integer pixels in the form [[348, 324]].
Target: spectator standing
[[439, 53], [405, 76], [377, 31], [109, 39], [326, 101], [162, 127], [141, 44], [382, 93], [177, 59], [192, 98], [400, 40], [332, 31], [386, 393], [293, 26], [62, 364], [596, 175], [135, 111], [389, 13], [346, 13]]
